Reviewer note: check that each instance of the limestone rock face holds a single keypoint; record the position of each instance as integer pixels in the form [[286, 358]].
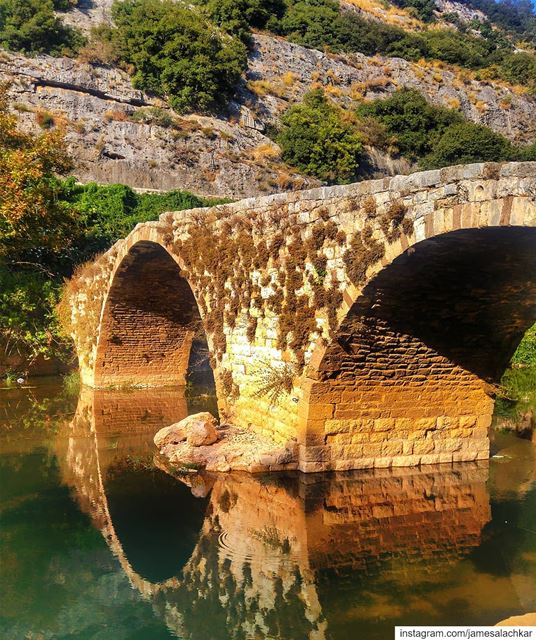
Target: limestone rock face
[[229, 156], [197, 430]]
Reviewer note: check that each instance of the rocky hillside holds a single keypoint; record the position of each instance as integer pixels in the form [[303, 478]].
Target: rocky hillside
[[120, 134]]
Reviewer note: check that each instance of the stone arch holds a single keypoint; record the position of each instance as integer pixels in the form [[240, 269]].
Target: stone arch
[[408, 377], [149, 319]]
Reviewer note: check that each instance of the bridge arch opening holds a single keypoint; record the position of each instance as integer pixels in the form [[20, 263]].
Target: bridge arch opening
[[151, 330], [407, 376]]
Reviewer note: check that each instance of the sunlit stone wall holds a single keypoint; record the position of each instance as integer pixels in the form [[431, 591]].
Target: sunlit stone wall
[[281, 285]]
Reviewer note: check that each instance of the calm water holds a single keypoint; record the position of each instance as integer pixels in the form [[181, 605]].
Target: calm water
[[98, 542]]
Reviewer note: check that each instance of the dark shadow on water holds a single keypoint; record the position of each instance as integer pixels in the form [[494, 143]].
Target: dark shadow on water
[[156, 519]]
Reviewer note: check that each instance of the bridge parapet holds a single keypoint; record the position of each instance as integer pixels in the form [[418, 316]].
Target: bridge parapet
[[313, 303]]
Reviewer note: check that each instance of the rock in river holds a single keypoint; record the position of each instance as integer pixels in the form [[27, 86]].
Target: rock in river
[[198, 430]]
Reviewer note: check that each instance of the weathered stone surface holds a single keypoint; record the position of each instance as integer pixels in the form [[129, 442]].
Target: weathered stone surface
[[201, 429], [198, 430], [372, 77], [396, 371], [232, 449]]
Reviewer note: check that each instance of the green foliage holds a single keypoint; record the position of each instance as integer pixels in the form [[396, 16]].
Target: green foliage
[[435, 136], [310, 23], [529, 153], [518, 68], [28, 327], [318, 140], [516, 399], [413, 124], [31, 26], [177, 53], [239, 16], [516, 16], [467, 142], [109, 212], [423, 9], [48, 226], [322, 24], [526, 352]]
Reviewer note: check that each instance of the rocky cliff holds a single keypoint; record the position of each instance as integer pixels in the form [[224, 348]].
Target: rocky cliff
[[114, 135]]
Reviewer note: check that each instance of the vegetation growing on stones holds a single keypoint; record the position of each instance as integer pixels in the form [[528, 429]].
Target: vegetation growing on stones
[[274, 381]]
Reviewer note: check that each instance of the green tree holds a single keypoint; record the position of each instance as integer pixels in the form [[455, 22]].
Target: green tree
[[109, 212], [413, 124], [310, 22], [178, 54], [318, 140], [36, 229], [467, 142], [239, 16], [32, 214], [526, 352], [31, 26]]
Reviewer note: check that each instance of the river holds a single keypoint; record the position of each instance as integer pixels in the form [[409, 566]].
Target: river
[[99, 541]]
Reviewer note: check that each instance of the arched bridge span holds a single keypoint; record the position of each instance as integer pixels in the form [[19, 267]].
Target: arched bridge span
[[368, 322]]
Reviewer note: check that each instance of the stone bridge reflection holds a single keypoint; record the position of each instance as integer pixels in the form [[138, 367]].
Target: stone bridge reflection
[[257, 564]]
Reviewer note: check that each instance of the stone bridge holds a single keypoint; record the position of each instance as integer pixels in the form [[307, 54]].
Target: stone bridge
[[364, 324]]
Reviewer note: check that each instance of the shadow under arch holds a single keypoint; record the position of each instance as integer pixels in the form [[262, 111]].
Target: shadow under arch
[[411, 368], [150, 322]]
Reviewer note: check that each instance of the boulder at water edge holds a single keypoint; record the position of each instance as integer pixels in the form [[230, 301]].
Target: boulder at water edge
[[198, 430]]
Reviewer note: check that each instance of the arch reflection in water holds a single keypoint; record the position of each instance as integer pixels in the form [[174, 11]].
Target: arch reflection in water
[[242, 556]]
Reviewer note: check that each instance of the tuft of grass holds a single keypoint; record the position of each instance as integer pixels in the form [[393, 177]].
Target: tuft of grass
[[274, 381]]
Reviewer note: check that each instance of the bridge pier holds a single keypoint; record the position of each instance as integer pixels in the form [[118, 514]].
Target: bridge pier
[[367, 323]]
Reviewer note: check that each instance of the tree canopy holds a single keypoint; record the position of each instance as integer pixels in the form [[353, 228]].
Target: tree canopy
[[177, 53], [31, 26], [316, 138]]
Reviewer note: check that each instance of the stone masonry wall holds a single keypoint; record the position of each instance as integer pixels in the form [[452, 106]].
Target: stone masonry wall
[[275, 277]]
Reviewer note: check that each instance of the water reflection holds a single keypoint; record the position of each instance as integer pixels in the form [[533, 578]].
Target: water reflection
[[280, 556]]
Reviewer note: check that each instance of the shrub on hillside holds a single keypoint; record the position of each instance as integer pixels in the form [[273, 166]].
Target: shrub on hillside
[[423, 9], [176, 53], [31, 26], [239, 16], [518, 68], [466, 142], [413, 124], [319, 141]]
